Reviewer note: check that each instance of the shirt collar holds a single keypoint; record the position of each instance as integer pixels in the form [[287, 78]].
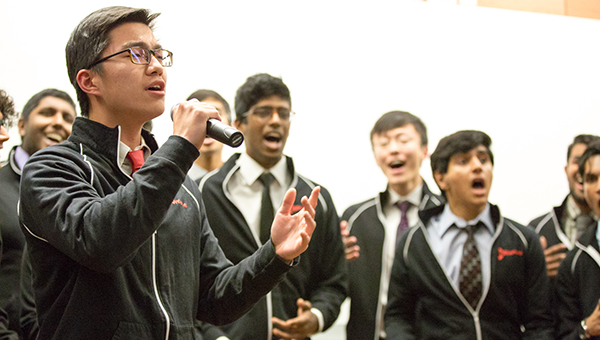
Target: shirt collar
[[124, 149], [414, 197], [250, 170], [21, 157], [447, 219]]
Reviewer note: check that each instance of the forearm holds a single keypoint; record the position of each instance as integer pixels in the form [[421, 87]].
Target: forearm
[[230, 291], [63, 203]]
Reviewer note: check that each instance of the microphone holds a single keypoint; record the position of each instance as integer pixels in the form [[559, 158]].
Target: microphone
[[222, 132]]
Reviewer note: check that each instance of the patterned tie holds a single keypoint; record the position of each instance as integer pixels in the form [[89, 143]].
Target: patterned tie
[[470, 279], [403, 226], [136, 158], [266, 208]]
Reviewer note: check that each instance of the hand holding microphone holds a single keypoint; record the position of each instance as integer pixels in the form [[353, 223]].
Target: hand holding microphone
[[219, 131]]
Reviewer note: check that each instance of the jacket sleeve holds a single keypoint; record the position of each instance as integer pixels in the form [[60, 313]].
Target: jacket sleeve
[[402, 300], [227, 292], [331, 289], [537, 318], [60, 203], [570, 312]]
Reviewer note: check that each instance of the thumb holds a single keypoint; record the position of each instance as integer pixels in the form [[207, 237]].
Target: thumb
[[544, 242]]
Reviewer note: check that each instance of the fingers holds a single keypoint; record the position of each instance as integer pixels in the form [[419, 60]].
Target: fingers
[[189, 120], [288, 202], [556, 249], [314, 196], [350, 248], [544, 242]]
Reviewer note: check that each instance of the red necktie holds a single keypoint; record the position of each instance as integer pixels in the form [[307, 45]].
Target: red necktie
[[136, 158]]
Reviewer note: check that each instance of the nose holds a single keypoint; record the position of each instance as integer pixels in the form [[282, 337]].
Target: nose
[[275, 119], [155, 65], [476, 164]]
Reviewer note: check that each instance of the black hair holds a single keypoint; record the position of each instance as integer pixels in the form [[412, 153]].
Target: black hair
[[593, 149], [91, 36], [396, 119], [7, 107], [257, 87], [457, 143], [581, 139], [35, 100], [203, 94]]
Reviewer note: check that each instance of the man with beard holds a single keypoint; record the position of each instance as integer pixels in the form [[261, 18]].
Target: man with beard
[[578, 292], [46, 120], [560, 228]]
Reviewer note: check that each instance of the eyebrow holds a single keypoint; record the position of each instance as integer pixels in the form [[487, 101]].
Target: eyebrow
[[140, 44]]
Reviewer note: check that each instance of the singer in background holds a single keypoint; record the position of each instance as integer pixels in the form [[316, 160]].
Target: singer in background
[[372, 228], [117, 234], [308, 300], [7, 113], [211, 151]]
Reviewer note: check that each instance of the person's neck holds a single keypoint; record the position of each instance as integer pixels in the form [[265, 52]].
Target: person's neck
[[405, 188], [209, 161], [466, 212], [585, 209], [131, 132]]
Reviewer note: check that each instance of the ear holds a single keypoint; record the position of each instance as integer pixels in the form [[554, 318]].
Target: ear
[[239, 125], [21, 126], [425, 151], [440, 180], [87, 80], [566, 172]]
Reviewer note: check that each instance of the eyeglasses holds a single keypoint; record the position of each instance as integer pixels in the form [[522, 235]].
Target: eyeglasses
[[266, 112], [142, 56]]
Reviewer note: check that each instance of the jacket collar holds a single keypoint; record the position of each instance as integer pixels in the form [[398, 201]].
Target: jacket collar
[[103, 139], [428, 199], [426, 215]]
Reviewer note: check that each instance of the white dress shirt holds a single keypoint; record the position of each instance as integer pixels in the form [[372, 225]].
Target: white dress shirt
[[391, 222], [245, 191], [447, 242]]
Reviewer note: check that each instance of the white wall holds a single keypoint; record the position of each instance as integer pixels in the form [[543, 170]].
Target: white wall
[[531, 81]]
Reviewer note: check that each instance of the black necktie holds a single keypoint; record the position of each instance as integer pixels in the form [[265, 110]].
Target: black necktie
[[470, 278], [266, 207], [403, 226]]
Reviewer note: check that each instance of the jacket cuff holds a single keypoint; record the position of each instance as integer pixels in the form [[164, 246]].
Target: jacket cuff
[[180, 151]]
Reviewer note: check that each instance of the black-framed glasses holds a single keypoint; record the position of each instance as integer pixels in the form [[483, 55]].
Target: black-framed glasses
[[142, 56], [266, 112]]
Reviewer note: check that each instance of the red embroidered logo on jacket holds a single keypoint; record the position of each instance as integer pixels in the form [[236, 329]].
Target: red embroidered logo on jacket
[[502, 253], [180, 203]]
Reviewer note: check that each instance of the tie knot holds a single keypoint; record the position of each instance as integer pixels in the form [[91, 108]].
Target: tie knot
[[136, 158], [404, 206], [472, 228], [266, 179]]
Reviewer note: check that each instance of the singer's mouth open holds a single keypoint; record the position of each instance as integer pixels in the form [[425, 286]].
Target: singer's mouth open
[[396, 164]]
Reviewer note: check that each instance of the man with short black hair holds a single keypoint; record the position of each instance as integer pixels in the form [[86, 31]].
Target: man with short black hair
[[577, 284], [466, 271], [399, 142], [212, 150], [117, 234], [46, 120], [240, 198], [562, 226]]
